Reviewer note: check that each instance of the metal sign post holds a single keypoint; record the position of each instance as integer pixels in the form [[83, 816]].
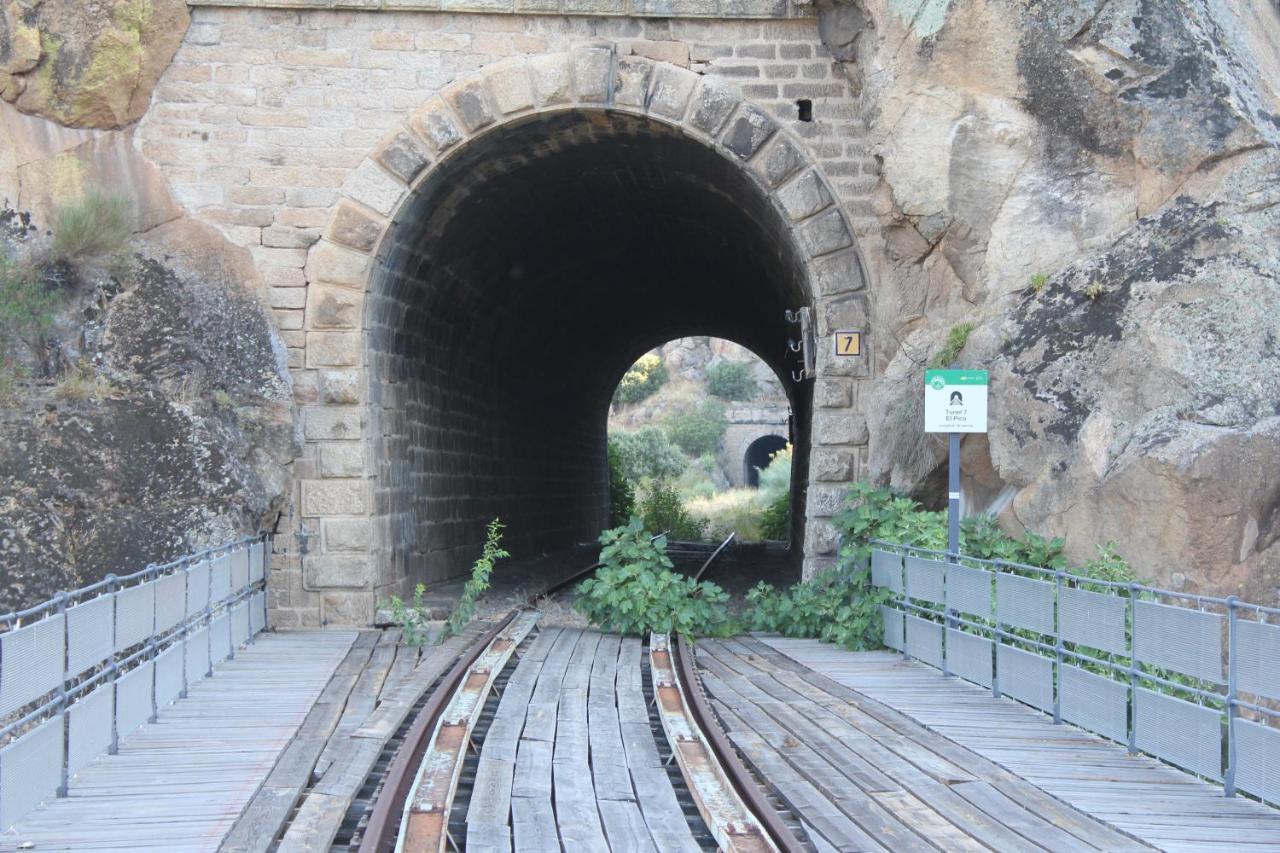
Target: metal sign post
[[955, 402]]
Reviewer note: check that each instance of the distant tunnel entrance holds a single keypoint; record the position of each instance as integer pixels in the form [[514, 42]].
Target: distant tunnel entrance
[[758, 456], [527, 272]]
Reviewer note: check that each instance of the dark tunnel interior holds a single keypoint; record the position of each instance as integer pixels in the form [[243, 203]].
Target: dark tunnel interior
[[527, 273], [757, 457]]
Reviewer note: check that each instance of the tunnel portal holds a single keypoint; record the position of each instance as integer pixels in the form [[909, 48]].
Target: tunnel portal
[[758, 456], [512, 291]]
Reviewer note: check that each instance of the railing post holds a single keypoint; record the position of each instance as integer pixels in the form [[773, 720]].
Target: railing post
[[1133, 668], [154, 576], [113, 669], [64, 707], [1057, 646], [208, 619], [186, 628], [1229, 777]]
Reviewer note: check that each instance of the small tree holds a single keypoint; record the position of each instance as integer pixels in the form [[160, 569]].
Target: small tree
[[731, 380], [662, 510], [622, 495], [699, 430], [647, 452], [642, 380]]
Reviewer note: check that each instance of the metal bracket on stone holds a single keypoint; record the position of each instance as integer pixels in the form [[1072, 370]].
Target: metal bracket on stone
[[804, 318]]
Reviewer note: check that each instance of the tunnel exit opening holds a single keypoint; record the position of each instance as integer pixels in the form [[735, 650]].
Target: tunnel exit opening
[[760, 453], [523, 276]]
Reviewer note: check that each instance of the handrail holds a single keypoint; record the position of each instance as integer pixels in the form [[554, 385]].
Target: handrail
[[143, 638], [1160, 670]]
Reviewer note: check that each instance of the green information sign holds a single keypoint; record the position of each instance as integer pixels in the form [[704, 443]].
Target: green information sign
[[955, 400]]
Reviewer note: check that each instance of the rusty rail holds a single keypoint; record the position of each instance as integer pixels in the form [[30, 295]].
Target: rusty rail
[[736, 826], [384, 820], [738, 775], [716, 553]]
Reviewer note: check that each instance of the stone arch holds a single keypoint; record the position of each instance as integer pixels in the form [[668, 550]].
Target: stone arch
[[345, 486]]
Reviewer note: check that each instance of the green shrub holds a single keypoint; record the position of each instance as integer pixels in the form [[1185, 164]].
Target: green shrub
[[775, 521], [775, 478], [478, 582], [635, 592], [648, 453], [956, 339], [731, 380], [698, 430], [622, 495], [411, 618], [662, 510], [28, 304], [96, 225], [698, 479], [642, 380], [839, 606]]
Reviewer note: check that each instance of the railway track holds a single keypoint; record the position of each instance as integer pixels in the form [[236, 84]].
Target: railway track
[[447, 780]]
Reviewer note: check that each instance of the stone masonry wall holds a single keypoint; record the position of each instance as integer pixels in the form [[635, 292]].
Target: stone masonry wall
[[266, 117]]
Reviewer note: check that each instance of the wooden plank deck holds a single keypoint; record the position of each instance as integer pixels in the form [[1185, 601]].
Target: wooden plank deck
[[570, 759], [179, 784], [1138, 795], [859, 780]]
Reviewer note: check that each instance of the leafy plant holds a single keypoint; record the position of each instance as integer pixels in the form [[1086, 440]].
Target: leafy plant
[[839, 606], [642, 380], [635, 591], [648, 452], [698, 430], [662, 509], [478, 582], [775, 521], [622, 495], [956, 339], [96, 225], [1038, 282], [411, 618], [731, 380]]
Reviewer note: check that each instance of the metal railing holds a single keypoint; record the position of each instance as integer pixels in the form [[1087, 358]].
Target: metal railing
[[1193, 680], [85, 668]]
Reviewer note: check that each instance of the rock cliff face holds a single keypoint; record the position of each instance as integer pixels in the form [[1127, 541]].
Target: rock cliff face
[[1094, 184], [87, 63]]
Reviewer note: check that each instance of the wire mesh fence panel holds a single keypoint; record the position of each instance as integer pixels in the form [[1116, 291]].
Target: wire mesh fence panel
[[257, 561], [89, 728], [133, 698], [1093, 619], [893, 633], [1024, 603], [924, 580], [1180, 732], [1186, 641], [924, 640], [969, 656], [1094, 702], [30, 770], [1025, 676], [168, 675], [31, 661], [1258, 759], [89, 627], [240, 624], [219, 639], [171, 601], [197, 588], [220, 580], [258, 612], [969, 590], [239, 569], [1257, 655], [197, 653], [135, 614], [886, 570]]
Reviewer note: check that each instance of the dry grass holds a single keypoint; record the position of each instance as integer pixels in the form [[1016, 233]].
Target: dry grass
[[81, 383], [732, 510]]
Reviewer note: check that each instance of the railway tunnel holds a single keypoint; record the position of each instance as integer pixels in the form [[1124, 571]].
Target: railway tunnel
[[523, 277]]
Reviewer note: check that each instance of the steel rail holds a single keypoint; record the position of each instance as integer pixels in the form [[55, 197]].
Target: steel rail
[[750, 792], [383, 827], [716, 553]]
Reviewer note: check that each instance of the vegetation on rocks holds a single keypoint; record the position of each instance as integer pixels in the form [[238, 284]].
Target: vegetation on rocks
[[663, 509], [731, 381], [642, 380], [698, 430]]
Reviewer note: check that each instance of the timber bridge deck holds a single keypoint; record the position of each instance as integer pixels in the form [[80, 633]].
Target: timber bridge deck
[[519, 734]]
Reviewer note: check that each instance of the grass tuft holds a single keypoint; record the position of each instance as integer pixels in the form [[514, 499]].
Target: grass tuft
[[96, 225]]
